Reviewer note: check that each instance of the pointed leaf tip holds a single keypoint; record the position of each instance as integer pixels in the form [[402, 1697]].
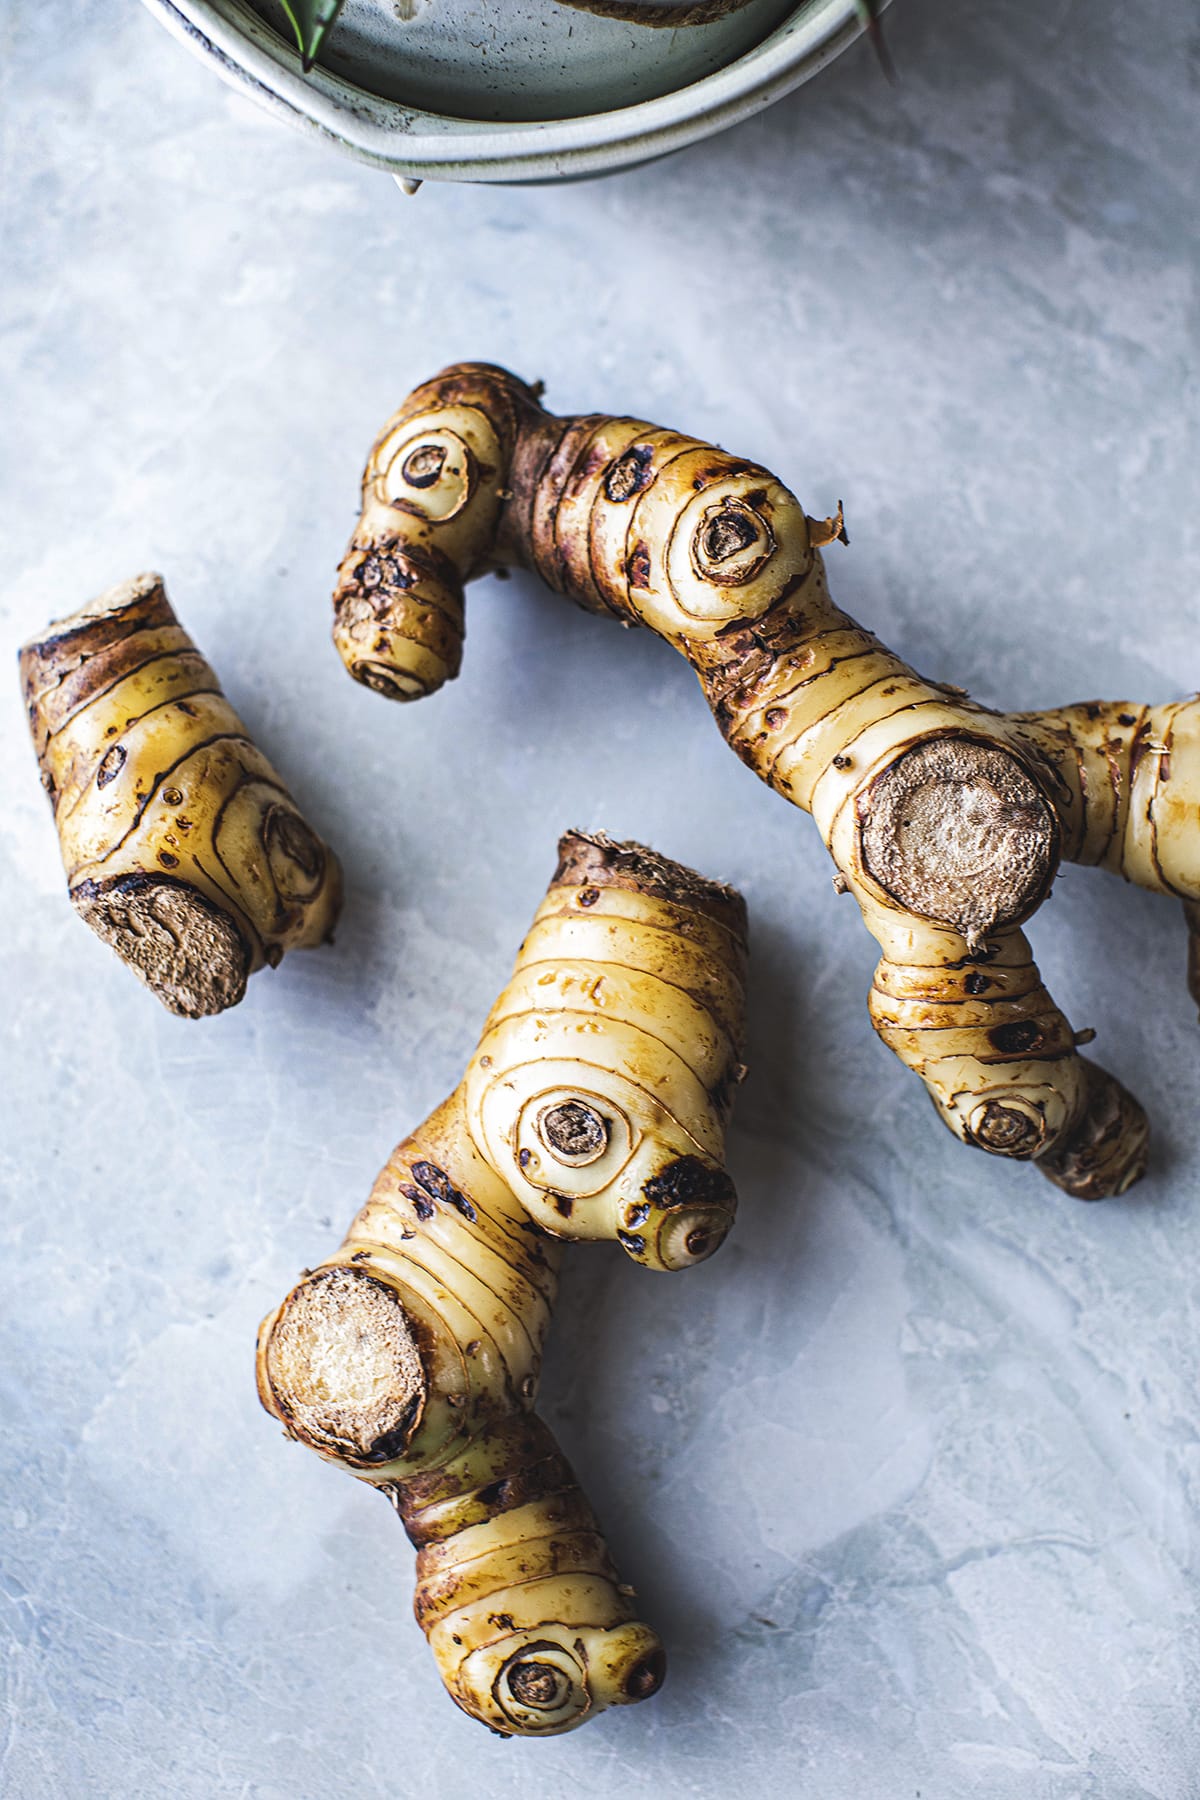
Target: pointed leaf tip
[[869, 11], [311, 20]]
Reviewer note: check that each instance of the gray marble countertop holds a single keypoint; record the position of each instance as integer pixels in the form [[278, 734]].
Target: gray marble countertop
[[908, 1475]]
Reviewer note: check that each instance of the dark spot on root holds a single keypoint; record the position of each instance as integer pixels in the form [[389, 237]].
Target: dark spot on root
[[638, 567], [633, 1241], [647, 1676], [1008, 1131], [111, 766], [575, 1130], [434, 1179], [535, 1684], [394, 1443], [421, 1206], [422, 467], [387, 572], [1016, 1038], [438, 1185], [725, 535], [689, 1182], [976, 983], [629, 473], [588, 896]]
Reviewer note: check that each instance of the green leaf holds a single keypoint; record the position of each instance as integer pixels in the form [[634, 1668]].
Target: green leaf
[[311, 20]]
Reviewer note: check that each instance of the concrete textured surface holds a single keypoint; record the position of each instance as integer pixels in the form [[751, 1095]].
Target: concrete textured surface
[[908, 1475]]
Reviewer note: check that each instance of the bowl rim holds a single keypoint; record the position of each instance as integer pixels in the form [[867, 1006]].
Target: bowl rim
[[419, 145]]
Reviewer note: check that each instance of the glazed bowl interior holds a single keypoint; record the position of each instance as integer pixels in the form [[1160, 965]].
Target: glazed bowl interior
[[502, 105], [509, 60]]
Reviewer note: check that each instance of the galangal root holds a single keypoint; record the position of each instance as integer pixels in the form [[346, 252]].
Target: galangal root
[[946, 821], [593, 1108], [182, 846]]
